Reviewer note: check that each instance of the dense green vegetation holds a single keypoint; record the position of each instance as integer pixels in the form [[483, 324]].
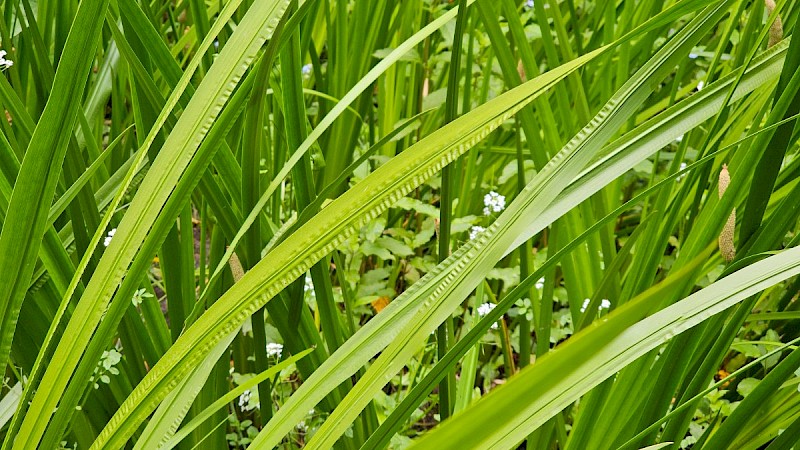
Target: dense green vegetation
[[365, 224]]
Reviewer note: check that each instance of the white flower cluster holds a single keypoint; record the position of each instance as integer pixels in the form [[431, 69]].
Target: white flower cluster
[[493, 202], [5, 63], [540, 283], [274, 349], [306, 70], [110, 235], [244, 401], [683, 175], [485, 309], [475, 231], [604, 304], [309, 285], [302, 425]]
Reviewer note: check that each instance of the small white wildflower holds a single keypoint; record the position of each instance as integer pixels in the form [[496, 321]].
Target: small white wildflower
[[604, 304], [529, 4], [683, 175], [494, 202], [306, 70], [693, 55], [110, 235], [475, 231], [244, 398], [274, 349], [485, 309], [700, 85], [302, 426], [540, 283], [244, 401], [679, 139], [309, 285], [5, 63]]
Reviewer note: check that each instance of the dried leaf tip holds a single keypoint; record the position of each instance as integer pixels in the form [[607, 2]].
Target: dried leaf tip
[[776, 29], [726, 245], [236, 268]]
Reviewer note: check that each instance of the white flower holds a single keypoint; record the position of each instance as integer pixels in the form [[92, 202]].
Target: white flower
[[529, 4], [5, 63], [494, 202], [679, 138], [485, 309], [683, 175], [475, 231], [274, 349], [693, 55], [309, 285], [540, 284], [604, 304], [302, 426], [700, 85], [244, 401], [110, 235], [306, 70]]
